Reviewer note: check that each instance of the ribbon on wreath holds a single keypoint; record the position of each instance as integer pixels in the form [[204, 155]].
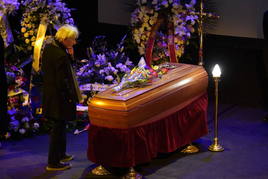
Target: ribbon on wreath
[[5, 30], [151, 40], [41, 33]]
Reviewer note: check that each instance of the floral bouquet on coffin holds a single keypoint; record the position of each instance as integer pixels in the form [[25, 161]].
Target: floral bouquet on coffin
[[141, 75]]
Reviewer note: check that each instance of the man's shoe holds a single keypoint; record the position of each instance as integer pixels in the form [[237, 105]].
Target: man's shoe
[[59, 167], [67, 158]]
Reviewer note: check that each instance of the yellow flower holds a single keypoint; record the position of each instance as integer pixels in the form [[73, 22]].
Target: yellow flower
[[143, 37], [151, 22], [146, 25], [146, 18], [27, 41], [23, 29], [33, 43], [136, 31], [141, 30], [26, 35], [33, 38], [29, 25], [180, 42], [31, 32]]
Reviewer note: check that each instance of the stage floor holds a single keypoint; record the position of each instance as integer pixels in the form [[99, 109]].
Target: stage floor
[[242, 132]]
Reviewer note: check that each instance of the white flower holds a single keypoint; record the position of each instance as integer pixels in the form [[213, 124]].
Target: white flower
[[109, 78], [22, 131], [25, 119], [101, 72], [35, 125]]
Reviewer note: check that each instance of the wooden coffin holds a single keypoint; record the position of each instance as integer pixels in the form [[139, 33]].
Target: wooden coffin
[[137, 106]]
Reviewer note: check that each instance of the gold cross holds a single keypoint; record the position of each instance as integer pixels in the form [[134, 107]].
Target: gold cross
[[201, 15]]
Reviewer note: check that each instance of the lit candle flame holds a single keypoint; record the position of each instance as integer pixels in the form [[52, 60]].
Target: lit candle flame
[[216, 71]]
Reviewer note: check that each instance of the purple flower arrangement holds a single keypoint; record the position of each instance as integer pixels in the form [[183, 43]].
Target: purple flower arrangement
[[104, 66]]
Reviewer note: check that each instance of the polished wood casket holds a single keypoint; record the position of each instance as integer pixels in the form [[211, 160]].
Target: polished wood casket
[[138, 106]]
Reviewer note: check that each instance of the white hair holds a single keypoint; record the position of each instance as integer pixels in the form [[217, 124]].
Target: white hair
[[66, 31]]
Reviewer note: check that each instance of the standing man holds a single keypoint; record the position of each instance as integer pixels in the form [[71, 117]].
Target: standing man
[[3, 93], [60, 94]]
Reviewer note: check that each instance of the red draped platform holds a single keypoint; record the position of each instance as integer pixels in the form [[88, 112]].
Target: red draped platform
[[128, 147]]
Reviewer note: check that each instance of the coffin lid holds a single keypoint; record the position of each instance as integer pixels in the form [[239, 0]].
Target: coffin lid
[[123, 100]]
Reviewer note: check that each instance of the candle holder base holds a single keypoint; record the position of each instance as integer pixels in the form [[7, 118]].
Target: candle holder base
[[132, 174], [190, 149], [215, 148], [100, 170]]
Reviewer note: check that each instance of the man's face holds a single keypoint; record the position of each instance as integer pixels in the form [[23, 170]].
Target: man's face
[[69, 42]]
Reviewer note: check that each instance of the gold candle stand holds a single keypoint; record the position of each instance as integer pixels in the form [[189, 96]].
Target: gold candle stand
[[216, 147]]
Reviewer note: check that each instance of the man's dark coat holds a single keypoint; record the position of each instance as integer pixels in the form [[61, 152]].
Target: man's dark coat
[[59, 95]]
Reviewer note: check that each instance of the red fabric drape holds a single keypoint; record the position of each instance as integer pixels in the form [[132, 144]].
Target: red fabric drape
[[129, 147]]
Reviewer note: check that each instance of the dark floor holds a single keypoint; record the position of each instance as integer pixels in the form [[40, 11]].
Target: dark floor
[[242, 132]]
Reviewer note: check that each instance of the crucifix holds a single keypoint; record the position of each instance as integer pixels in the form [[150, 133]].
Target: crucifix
[[201, 15]]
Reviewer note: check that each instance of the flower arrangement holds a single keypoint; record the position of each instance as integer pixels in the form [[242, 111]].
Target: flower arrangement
[[141, 75], [161, 13], [53, 12], [21, 121], [15, 77], [105, 66], [8, 6]]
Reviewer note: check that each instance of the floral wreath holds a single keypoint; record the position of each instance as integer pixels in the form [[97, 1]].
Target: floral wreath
[[8, 6], [54, 12], [147, 22]]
